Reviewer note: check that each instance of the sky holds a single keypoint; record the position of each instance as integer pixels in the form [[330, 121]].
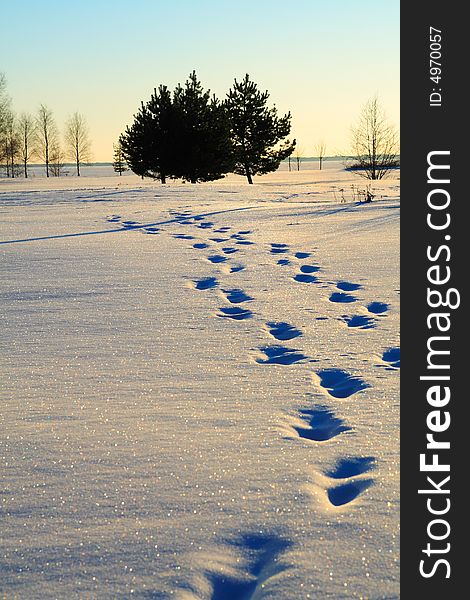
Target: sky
[[319, 59]]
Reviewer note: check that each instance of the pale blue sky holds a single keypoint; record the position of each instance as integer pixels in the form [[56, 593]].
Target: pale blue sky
[[320, 59]]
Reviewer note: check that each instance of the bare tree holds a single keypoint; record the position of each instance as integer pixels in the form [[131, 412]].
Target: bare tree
[[77, 140], [374, 143], [56, 160], [320, 150], [298, 156], [119, 162], [10, 143], [26, 135], [46, 134], [4, 112]]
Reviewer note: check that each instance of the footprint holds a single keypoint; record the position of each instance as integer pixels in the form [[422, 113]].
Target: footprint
[[283, 331], [280, 355], [359, 321], [206, 283], [229, 250], [222, 229], [302, 255], [245, 243], [219, 240], [250, 578], [340, 384], [183, 236], [150, 230], [347, 492], [392, 357], [236, 296], [347, 286], [342, 297], [237, 268], [304, 278], [322, 424], [216, 258], [309, 269], [200, 246], [279, 248], [235, 312], [283, 261], [377, 308], [207, 225], [245, 232], [351, 467]]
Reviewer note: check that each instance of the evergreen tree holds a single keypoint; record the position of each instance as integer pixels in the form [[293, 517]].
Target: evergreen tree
[[186, 135], [258, 134], [150, 144], [119, 163], [202, 132]]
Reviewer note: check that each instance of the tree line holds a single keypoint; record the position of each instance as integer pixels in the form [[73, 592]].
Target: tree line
[[26, 137], [190, 134]]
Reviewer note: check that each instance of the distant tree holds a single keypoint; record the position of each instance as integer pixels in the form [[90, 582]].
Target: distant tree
[[202, 134], [26, 134], [5, 111], [298, 156], [11, 143], [77, 140], [320, 150], [46, 135], [256, 130], [119, 162], [149, 144], [374, 143], [57, 160]]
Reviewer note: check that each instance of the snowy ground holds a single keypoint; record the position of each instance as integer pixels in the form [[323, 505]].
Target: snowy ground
[[200, 397]]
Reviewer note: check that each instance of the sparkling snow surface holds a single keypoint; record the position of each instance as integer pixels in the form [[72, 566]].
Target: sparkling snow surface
[[200, 388]]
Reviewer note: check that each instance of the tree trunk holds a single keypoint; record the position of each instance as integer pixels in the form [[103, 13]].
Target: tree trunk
[[77, 156], [248, 174], [163, 178], [320, 162], [26, 169]]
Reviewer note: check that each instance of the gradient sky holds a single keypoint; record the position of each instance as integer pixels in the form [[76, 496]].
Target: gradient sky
[[320, 59]]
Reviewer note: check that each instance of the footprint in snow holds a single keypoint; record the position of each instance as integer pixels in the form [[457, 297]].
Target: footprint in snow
[[347, 492], [216, 258], [347, 286], [283, 331], [235, 312], [359, 321], [206, 283], [279, 248], [391, 356], [340, 384], [236, 296], [378, 308], [280, 355], [342, 297], [321, 424], [305, 278]]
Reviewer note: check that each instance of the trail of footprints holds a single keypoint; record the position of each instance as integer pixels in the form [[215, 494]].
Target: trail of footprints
[[350, 476]]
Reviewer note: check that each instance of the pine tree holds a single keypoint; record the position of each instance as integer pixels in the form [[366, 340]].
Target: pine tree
[[185, 135], [119, 163], [258, 134], [202, 133], [149, 145]]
